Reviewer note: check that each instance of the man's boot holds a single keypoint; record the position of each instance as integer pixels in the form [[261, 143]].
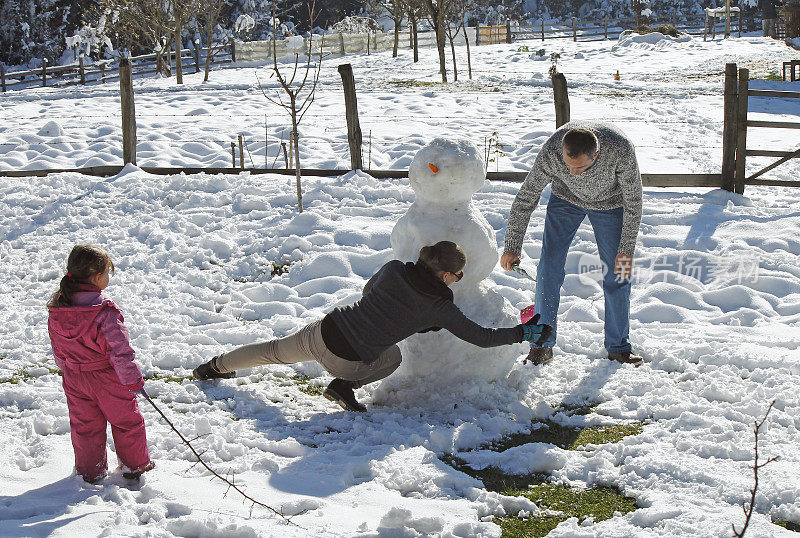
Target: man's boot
[[626, 357], [340, 391], [208, 370], [539, 355]]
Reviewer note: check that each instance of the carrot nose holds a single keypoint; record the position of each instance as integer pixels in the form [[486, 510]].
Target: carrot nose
[[433, 167]]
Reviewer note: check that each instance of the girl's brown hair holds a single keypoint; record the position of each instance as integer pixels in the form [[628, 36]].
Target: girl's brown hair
[[84, 262], [443, 256]]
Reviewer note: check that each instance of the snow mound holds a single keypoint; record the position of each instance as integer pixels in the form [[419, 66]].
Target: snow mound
[[51, 128], [653, 40]]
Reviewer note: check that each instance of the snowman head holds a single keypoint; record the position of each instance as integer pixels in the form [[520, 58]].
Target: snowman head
[[447, 171]]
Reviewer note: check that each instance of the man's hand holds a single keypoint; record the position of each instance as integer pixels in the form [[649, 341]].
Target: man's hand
[[623, 265], [508, 259]]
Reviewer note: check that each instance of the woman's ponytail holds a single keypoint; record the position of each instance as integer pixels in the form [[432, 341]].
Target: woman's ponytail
[[443, 256]]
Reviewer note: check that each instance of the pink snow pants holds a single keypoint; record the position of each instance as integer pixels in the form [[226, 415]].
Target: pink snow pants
[[95, 398]]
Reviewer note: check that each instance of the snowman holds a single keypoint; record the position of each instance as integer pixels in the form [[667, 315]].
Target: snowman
[[444, 175]]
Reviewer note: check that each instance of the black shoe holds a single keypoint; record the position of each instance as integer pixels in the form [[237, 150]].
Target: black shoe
[[208, 370], [539, 356], [341, 392], [134, 475], [626, 357]]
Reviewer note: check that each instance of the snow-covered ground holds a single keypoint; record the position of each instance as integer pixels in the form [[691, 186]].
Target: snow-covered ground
[[715, 306]]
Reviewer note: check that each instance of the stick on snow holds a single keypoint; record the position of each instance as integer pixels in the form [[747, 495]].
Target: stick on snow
[[212, 471]]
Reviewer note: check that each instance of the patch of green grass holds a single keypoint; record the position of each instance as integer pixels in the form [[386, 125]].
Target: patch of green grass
[[788, 525], [169, 378], [493, 478], [415, 83], [303, 383], [567, 437], [25, 375], [775, 76], [599, 502]]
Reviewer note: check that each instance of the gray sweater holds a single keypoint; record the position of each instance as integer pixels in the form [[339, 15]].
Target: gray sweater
[[401, 300], [612, 181]]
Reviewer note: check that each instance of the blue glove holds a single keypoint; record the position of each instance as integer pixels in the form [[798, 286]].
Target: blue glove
[[534, 332], [143, 393]]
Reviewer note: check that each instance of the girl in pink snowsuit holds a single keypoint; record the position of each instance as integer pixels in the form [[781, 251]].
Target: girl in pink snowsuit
[[100, 377]]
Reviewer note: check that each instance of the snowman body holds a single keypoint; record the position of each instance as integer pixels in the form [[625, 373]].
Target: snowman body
[[444, 175]]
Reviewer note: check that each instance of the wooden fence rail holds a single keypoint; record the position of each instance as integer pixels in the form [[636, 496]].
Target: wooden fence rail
[[108, 70], [600, 29]]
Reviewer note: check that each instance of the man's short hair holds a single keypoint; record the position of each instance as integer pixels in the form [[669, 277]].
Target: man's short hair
[[579, 142]]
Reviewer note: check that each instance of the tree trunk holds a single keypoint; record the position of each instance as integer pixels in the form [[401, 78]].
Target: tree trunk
[[178, 53], [440, 44], [296, 144], [469, 57], [209, 39], [414, 36], [453, 52], [396, 37]]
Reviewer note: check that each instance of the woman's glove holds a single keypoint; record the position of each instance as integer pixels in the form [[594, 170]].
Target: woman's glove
[[534, 332]]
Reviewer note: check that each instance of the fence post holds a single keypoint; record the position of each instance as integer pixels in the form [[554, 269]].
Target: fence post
[[574, 30], [740, 22], [508, 30], [560, 99], [241, 153], [44, 71], [729, 130], [3, 76], [103, 72], [605, 27], [233, 50], [82, 70], [351, 113], [233, 154], [128, 112], [741, 128], [542, 28], [341, 42], [705, 27], [477, 34], [196, 57]]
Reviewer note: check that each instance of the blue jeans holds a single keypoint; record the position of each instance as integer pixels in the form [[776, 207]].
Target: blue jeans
[[561, 224]]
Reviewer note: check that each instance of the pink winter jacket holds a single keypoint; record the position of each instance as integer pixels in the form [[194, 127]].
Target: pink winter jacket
[[91, 335]]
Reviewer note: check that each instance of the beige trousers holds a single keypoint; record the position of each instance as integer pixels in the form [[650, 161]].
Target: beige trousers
[[307, 345]]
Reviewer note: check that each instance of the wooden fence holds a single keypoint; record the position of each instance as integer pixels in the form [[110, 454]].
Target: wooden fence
[[107, 70], [600, 29], [340, 44], [734, 138]]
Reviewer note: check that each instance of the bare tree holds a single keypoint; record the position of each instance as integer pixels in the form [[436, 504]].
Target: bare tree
[[437, 12], [161, 21], [748, 510], [395, 9], [461, 9], [414, 12], [208, 14], [299, 93], [146, 20]]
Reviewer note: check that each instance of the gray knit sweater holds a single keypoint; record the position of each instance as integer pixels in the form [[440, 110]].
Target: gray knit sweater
[[612, 181]]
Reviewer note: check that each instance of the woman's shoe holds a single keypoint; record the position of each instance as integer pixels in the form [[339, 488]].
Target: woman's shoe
[[340, 391], [208, 370]]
